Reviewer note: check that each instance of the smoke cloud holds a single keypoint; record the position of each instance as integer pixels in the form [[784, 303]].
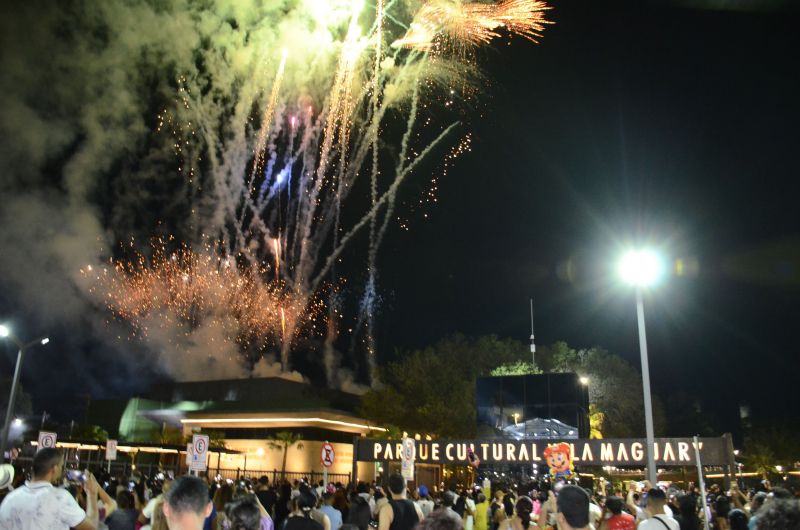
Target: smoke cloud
[[81, 168]]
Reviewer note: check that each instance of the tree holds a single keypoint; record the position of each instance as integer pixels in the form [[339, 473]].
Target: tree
[[516, 368], [282, 442], [767, 444], [90, 432], [615, 387], [432, 391]]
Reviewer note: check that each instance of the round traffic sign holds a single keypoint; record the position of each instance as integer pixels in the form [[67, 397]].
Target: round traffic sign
[[47, 440], [327, 455], [199, 445]]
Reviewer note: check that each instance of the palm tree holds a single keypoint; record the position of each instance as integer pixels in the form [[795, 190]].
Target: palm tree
[[282, 442]]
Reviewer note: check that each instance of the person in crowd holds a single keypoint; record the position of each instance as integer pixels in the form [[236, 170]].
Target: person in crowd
[[657, 518], [243, 514], [687, 512], [481, 513], [522, 519], [147, 512], [316, 514], [39, 504], [400, 513], [222, 497], [509, 500], [438, 520], [756, 503], [158, 521], [380, 500], [360, 513], [572, 508], [267, 496], [779, 514], [461, 504], [283, 507], [614, 518], [496, 510], [125, 516], [320, 489], [334, 515], [246, 512], [300, 517], [721, 505], [340, 502], [425, 503], [469, 511], [737, 519], [186, 504], [448, 502], [7, 473], [595, 511]]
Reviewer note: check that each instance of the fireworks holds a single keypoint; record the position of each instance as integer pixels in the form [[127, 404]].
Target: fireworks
[[184, 290], [454, 24], [274, 183]]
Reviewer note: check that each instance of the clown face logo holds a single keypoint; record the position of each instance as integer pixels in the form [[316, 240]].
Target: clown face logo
[[559, 459]]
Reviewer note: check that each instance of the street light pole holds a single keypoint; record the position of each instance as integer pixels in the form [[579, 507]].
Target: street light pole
[[648, 404], [641, 269], [12, 398]]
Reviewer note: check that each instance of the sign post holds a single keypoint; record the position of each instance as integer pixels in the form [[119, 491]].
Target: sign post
[[189, 457], [327, 457], [199, 452], [407, 458], [702, 482], [47, 440], [111, 452]]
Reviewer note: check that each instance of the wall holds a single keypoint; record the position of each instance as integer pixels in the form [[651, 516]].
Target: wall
[[261, 457]]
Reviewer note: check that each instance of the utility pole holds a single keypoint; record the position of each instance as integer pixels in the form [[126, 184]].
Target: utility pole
[[533, 340]]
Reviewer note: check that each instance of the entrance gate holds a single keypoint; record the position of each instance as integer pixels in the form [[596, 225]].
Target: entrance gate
[[714, 452]]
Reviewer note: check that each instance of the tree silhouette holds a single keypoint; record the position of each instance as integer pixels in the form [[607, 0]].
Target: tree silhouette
[[282, 442]]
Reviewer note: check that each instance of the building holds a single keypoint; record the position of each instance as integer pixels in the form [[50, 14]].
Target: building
[[248, 414]]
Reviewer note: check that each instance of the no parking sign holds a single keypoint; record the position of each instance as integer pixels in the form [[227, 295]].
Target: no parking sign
[[46, 440], [199, 452], [327, 455]]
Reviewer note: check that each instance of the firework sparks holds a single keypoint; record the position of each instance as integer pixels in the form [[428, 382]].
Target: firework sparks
[[267, 254], [456, 23], [184, 289]]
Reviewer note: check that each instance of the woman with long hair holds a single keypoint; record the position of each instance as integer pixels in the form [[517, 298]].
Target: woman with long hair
[[687, 512], [522, 517], [159, 522]]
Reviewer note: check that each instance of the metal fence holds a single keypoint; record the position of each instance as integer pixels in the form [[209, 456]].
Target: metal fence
[[126, 469]]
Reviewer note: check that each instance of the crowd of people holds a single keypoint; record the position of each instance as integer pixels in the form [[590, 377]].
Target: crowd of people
[[51, 499]]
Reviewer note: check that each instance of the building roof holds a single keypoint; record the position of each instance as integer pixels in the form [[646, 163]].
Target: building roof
[[261, 403]]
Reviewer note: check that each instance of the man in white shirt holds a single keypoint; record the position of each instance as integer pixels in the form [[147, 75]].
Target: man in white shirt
[[425, 503], [656, 519], [38, 504]]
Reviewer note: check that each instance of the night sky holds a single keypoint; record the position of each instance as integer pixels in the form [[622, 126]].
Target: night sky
[[631, 122]]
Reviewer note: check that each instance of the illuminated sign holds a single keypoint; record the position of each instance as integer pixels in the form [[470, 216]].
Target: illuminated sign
[[628, 451]]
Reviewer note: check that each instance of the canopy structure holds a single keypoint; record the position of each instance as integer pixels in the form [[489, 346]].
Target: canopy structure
[[542, 428]]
